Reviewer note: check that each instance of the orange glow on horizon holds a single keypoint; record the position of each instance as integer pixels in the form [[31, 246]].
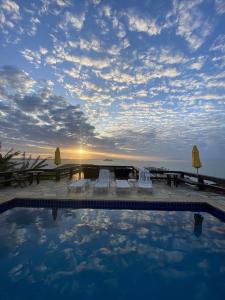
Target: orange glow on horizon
[[81, 151], [82, 154], [90, 154]]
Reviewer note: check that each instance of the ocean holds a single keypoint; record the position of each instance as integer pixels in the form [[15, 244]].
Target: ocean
[[211, 167]]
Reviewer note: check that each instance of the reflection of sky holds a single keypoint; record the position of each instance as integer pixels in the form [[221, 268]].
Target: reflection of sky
[[91, 254]]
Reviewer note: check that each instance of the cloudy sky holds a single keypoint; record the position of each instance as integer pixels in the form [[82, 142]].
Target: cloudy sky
[[133, 78]]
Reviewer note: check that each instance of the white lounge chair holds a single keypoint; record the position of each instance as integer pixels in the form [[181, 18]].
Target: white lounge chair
[[144, 181], [103, 182], [122, 186], [79, 185]]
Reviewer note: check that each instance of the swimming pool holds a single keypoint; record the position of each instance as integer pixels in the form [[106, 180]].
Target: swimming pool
[[110, 254]]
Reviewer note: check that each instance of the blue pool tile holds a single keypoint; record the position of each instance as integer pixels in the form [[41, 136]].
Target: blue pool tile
[[115, 204]]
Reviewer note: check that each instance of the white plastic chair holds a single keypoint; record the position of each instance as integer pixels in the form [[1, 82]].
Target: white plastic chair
[[79, 185], [144, 181], [122, 186], [103, 181]]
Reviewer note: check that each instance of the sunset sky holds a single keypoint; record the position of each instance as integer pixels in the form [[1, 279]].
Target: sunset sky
[[113, 78]]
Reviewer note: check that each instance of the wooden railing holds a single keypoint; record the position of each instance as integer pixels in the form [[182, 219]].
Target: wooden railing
[[59, 173], [8, 178], [211, 183]]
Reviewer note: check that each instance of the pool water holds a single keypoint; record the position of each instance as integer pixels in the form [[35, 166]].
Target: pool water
[[110, 254]]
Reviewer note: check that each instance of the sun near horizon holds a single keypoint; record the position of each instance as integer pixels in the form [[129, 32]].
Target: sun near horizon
[[88, 154]]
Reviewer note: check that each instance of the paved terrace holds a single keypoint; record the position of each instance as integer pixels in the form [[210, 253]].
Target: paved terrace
[[50, 189]]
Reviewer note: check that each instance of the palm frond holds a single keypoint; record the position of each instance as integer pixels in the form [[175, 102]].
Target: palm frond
[[7, 162], [28, 162], [40, 164], [35, 162]]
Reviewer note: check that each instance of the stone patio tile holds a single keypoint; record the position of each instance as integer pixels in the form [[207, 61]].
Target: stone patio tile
[[161, 192]]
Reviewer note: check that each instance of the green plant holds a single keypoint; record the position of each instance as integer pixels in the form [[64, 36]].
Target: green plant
[[7, 162], [10, 162], [33, 164]]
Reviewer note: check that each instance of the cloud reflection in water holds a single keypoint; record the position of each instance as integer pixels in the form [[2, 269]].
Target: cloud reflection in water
[[123, 254]]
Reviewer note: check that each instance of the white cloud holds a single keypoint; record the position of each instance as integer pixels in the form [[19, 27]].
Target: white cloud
[[219, 43], [37, 57], [137, 78], [216, 84], [92, 44], [141, 93], [87, 61], [114, 50], [191, 23], [92, 86], [41, 117], [32, 30], [198, 63], [72, 88], [167, 72], [125, 43], [96, 2], [106, 11], [9, 14], [63, 2], [171, 56], [121, 32], [220, 7], [72, 20], [53, 7], [32, 56], [2, 18], [43, 50], [73, 72], [142, 24], [89, 92], [13, 79], [10, 6], [205, 97], [52, 60], [118, 76]]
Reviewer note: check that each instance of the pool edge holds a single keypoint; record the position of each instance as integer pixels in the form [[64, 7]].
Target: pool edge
[[194, 206]]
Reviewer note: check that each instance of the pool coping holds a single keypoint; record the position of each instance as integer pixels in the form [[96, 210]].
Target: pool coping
[[193, 206]]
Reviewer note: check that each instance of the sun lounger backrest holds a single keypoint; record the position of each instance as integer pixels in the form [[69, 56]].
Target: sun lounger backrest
[[103, 175], [144, 175]]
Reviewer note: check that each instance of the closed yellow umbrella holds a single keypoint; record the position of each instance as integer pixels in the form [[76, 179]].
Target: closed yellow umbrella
[[196, 162], [57, 156]]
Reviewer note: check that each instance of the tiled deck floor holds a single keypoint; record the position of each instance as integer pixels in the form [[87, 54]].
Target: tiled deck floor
[[58, 190]]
